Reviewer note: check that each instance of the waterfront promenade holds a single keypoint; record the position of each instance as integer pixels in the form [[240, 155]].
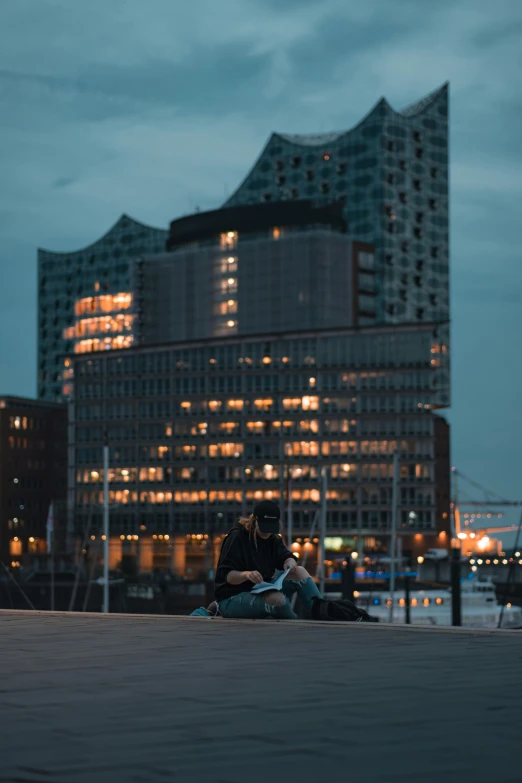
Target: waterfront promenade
[[144, 699]]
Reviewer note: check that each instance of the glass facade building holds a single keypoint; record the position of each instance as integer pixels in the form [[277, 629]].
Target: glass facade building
[[101, 269], [199, 431], [252, 270], [391, 173], [302, 326]]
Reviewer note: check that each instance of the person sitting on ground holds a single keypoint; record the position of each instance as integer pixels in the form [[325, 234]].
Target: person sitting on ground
[[251, 553]]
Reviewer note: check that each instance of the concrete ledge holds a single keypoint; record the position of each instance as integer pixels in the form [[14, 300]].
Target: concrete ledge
[[170, 618]]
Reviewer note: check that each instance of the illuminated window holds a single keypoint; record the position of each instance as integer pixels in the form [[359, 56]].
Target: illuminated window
[[229, 426], [227, 265], [222, 496], [303, 448], [257, 427], [107, 303], [270, 472], [236, 404], [258, 494], [214, 405], [228, 239], [336, 448], [265, 404], [227, 308], [225, 450], [310, 425], [276, 233], [108, 343], [310, 403], [292, 403], [343, 471], [35, 545], [151, 474], [15, 546]]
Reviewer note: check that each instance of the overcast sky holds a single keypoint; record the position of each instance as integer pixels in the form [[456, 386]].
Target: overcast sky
[[154, 108]]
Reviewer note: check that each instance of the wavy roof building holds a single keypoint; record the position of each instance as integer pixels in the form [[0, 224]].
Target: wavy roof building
[[391, 173], [83, 297]]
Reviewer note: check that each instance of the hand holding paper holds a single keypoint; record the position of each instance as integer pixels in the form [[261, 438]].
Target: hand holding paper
[[274, 584]]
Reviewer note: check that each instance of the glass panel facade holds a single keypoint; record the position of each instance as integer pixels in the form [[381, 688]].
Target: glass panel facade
[[391, 171], [77, 290], [198, 432]]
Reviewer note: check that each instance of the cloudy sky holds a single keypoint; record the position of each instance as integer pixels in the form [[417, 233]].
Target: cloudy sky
[[155, 108]]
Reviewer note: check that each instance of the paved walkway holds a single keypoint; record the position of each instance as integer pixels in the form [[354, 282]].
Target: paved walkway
[[143, 699]]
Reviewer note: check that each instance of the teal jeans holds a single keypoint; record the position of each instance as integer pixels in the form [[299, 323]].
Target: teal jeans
[[253, 607]]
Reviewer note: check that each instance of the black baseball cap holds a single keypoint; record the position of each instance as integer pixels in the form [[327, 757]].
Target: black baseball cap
[[268, 515]]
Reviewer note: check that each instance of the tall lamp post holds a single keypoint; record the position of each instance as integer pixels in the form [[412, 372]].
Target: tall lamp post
[[105, 607], [324, 489], [395, 501]]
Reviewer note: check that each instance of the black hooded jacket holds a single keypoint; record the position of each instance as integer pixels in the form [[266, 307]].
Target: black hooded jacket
[[241, 552]]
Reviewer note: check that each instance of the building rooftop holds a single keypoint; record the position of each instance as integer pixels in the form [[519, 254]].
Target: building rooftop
[[124, 222], [11, 401], [123, 698], [249, 218], [280, 144]]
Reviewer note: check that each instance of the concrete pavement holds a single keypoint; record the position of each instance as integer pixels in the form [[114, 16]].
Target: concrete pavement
[[140, 699]]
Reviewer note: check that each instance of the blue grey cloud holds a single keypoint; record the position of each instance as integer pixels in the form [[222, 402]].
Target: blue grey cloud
[[63, 182], [152, 109]]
